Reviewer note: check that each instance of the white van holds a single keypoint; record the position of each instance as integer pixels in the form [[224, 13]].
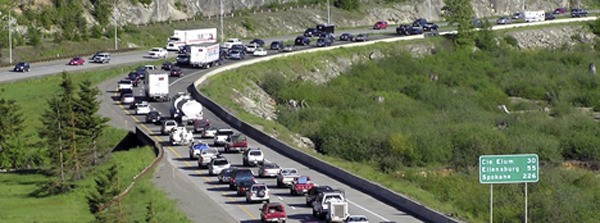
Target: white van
[[534, 16]]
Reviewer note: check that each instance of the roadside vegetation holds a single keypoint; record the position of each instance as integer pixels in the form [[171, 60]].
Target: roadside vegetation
[[418, 125], [51, 166]]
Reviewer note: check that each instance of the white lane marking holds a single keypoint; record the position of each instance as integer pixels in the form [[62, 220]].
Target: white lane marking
[[367, 210], [292, 207], [280, 198]]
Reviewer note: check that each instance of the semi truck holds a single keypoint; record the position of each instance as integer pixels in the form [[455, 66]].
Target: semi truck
[[181, 38], [205, 55], [157, 86]]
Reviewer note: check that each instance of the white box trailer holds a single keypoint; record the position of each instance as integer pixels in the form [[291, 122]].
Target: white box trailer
[[534, 16], [205, 55], [188, 37], [157, 87]]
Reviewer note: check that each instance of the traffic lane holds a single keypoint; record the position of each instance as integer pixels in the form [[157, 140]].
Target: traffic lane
[[53, 67], [191, 199]]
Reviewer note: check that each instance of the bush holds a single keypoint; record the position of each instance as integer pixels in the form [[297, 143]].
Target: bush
[[347, 4]]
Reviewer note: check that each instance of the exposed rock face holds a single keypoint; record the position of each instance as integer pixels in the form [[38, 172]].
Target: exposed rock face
[[553, 37]]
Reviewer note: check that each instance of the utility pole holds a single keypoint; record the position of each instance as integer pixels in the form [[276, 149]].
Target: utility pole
[[10, 60], [115, 21], [222, 13], [328, 13], [430, 17]]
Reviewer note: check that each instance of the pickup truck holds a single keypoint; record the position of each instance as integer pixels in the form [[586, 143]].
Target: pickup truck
[[221, 136], [427, 26], [273, 212], [301, 185], [286, 176], [236, 142]]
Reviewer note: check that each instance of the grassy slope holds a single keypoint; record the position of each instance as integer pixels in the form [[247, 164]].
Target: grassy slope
[[15, 203], [219, 89]]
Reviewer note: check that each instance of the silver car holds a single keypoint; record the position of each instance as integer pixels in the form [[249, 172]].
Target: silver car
[[503, 21], [268, 170], [217, 165]]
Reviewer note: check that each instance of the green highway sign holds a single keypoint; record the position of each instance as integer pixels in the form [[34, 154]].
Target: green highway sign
[[501, 169]]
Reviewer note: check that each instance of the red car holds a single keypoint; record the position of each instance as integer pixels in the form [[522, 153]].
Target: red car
[[380, 25], [560, 11], [77, 61], [273, 212], [301, 185], [176, 72]]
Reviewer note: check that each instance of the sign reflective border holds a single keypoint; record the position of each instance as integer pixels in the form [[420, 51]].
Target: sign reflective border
[[499, 169]]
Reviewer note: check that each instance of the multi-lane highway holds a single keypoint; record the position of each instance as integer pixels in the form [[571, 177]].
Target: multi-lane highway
[[197, 194], [176, 156]]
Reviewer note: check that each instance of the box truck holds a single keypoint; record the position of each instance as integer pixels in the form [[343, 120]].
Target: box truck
[[534, 16], [157, 87], [205, 55], [188, 37]]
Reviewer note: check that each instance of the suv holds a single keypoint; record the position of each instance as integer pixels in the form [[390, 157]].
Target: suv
[[168, 126], [322, 41], [276, 45], [310, 32], [258, 192], [101, 58], [239, 174], [236, 142], [286, 176], [253, 157], [22, 67], [272, 212], [302, 41], [578, 13]]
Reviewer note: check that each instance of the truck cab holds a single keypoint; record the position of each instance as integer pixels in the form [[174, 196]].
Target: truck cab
[[427, 26], [321, 203]]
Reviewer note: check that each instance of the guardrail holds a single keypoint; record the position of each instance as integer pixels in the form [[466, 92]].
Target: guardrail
[[143, 137], [373, 189], [69, 56]]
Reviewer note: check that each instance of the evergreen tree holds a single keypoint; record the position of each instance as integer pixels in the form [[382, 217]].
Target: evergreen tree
[[460, 13], [89, 122], [107, 187]]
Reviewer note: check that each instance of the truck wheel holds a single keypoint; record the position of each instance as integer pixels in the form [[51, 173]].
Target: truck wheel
[[314, 213]]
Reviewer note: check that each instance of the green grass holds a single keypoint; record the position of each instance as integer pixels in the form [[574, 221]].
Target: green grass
[[444, 185], [17, 205]]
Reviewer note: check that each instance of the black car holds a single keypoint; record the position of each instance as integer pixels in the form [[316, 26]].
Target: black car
[[142, 72], [549, 16], [153, 117], [276, 45], [409, 29], [239, 175], [239, 47], [167, 65], [183, 60], [134, 77], [258, 42], [310, 32], [322, 41], [176, 72], [578, 13], [22, 67], [346, 37], [302, 41]]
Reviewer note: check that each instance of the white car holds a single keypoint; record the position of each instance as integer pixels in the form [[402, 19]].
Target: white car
[[253, 157], [217, 165], [142, 108], [167, 126], [356, 219], [125, 84], [157, 52], [286, 176], [251, 48], [209, 132], [268, 170], [221, 136], [260, 52], [196, 148], [127, 98], [150, 67], [230, 42], [206, 156], [258, 192]]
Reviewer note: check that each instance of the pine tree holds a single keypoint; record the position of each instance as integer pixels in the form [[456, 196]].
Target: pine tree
[[11, 141], [90, 123], [460, 13], [107, 187]]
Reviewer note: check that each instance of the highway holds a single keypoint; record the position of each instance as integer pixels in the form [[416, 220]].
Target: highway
[[177, 157], [181, 178]]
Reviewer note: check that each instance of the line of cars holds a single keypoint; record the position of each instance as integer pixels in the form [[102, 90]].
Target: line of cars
[[98, 57], [536, 16], [326, 202]]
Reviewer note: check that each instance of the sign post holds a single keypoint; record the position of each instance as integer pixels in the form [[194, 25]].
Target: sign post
[[504, 169]]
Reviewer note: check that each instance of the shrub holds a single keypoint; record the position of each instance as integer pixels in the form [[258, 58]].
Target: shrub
[[347, 4]]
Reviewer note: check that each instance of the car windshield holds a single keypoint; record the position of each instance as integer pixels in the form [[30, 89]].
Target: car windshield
[[244, 174], [155, 50], [333, 197], [255, 153], [357, 218], [227, 172], [221, 162], [302, 180], [260, 187], [128, 95], [125, 82], [270, 166], [170, 124]]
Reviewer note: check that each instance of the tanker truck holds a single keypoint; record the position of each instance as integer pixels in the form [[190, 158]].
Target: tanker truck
[[185, 109]]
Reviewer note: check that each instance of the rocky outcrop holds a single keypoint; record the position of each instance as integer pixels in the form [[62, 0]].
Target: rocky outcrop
[[553, 37]]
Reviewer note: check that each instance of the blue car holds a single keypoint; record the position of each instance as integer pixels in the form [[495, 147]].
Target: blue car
[[196, 148], [302, 41]]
